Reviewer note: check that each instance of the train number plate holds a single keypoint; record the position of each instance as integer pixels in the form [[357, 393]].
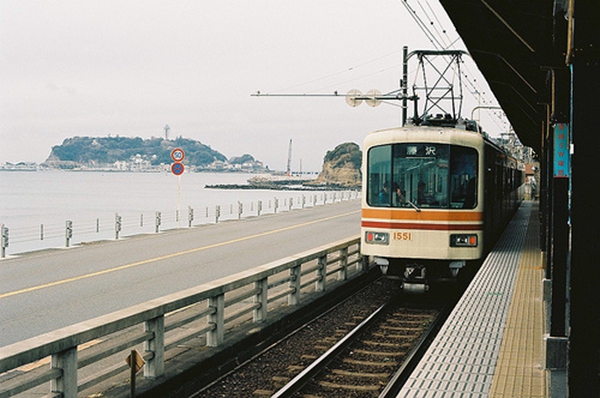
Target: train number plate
[[402, 236]]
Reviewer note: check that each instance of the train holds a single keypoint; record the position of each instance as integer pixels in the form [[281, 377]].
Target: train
[[436, 196]]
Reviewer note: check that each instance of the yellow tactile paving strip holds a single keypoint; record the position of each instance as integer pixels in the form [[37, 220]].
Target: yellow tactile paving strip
[[518, 373]]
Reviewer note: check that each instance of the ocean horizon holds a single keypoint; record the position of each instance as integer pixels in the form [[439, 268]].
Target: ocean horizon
[[36, 206]]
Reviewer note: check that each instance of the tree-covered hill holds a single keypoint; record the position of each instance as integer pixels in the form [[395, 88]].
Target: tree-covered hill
[[98, 151]]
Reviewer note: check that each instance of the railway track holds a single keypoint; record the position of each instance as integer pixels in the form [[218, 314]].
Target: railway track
[[355, 350], [371, 358]]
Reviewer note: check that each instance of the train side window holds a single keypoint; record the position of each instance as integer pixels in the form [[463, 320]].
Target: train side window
[[379, 186], [463, 170]]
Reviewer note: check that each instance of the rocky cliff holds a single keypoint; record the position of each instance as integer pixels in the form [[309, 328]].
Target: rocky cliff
[[341, 167]]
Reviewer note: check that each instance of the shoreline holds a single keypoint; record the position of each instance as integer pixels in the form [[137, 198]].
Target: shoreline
[[284, 186]]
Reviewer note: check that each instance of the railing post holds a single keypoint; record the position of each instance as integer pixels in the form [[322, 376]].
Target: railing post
[[4, 239], [322, 273], [260, 313], [190, 216], [68, 232], [157, 222], [155, 367], [364, 264], [118, 225], [295, 276], [66, 384], [343, 274], [217, 319]]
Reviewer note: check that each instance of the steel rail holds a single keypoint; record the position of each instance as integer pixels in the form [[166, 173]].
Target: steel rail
[[395, 384], [308, 374]]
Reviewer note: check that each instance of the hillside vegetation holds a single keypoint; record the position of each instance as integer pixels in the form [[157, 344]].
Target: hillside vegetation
[[98, 151]]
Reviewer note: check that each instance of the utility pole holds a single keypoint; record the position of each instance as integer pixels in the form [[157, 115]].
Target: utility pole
[[289, 160], [167, 128]]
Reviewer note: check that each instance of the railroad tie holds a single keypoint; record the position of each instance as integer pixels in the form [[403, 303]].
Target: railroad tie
[[386, 364], [340, 372], [326, 384]]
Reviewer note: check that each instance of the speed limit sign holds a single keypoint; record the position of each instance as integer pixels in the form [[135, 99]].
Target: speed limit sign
[[177, 154]]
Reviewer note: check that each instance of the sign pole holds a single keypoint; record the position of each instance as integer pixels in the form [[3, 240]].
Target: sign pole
[[132, 374], [135, 362], [177, 168], [179, 201]]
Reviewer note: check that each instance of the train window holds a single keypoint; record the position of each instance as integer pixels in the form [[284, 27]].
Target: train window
[[463, 177], [379, 176], [422, 175]]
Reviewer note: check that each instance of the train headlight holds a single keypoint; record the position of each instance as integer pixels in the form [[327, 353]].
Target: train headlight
[[463, 240], [378, 238]]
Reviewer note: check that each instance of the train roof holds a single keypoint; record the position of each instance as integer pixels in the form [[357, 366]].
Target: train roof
[[462, 130]]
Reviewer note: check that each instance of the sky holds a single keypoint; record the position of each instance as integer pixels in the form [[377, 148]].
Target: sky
[[131, 67]]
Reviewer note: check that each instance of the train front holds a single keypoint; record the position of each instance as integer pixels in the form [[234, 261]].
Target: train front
[[422, 203]]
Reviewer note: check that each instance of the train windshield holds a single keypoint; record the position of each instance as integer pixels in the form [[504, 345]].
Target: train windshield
[[422, 175]]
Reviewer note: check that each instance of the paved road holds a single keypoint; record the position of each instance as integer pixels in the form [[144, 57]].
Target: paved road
[[44, 291]]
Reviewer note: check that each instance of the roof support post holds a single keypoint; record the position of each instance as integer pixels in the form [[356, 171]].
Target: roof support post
[[584, 344]]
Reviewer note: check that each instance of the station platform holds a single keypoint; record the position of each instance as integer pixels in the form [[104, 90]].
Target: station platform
[[491, 344]]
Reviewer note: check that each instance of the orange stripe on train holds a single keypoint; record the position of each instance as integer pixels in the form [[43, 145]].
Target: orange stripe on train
[[420, 226], [425, 215]]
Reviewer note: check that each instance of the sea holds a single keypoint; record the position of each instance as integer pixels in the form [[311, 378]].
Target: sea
[[58, 209]]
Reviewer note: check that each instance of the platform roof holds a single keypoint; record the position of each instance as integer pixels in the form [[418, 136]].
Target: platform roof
[[515, 44]]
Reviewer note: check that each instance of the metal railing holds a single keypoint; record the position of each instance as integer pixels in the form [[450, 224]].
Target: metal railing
[[71, 232], [200, 315]]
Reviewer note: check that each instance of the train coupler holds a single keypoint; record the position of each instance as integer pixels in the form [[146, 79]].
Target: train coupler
[[415, 288], [415, 280]]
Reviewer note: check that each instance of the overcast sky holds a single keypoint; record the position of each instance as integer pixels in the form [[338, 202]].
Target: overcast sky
[[128, 68]]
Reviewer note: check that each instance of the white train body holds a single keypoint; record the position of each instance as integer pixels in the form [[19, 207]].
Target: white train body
[[430, 196]]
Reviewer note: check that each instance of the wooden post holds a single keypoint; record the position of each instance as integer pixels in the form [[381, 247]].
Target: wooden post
[[132, 374]]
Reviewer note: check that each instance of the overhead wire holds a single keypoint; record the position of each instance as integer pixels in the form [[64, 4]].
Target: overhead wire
[[421, 25], [475, 88], [433, 25], [350, 69], [433, 29]]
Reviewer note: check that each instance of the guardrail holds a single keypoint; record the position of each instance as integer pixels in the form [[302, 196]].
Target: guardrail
[[202, 313], [71, 232]]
